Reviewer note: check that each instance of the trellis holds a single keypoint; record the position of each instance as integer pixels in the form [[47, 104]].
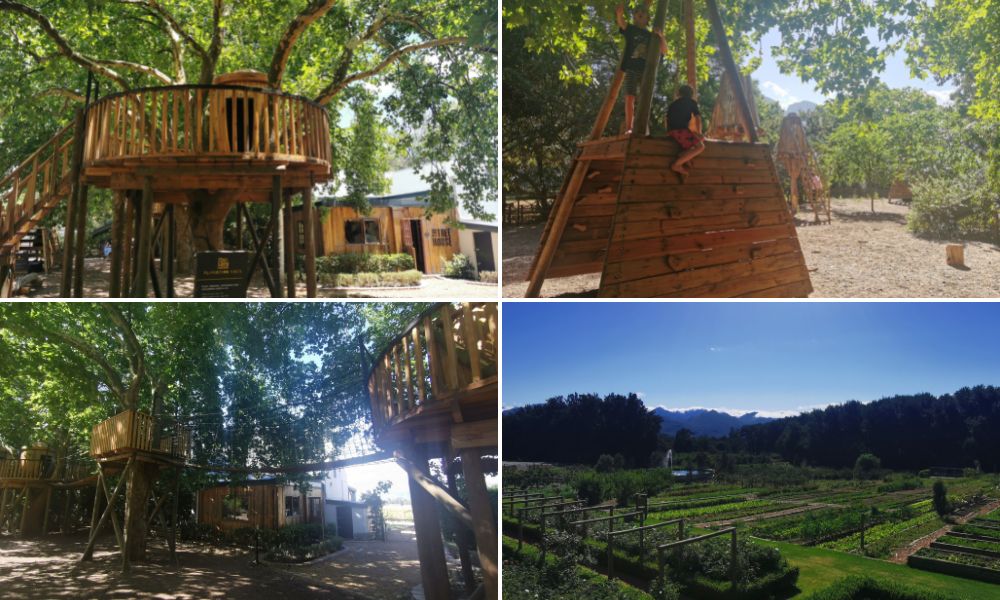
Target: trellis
[[733, 562]]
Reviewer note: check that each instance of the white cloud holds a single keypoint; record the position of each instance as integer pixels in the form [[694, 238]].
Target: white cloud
[[943, 97], [739, 412], [784, 97]]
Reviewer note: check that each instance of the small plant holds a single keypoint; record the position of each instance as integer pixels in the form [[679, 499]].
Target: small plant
[[488, 276], [459, 267], [941, 505]]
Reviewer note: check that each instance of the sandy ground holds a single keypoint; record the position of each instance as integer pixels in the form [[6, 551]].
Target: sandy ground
[[97, 272], [859, 255], [44, 569]]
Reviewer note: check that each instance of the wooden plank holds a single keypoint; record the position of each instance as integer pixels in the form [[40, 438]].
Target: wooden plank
[[701, 282], [666, 146], [451, 357], [620, 251], [796, 289], [658, 193], [410, 400], [433, 358], [400, 394], [418, 355], [199, 112], [470, 331], [741, 286], [700, 175], [474, 434], [689, 209], [673, 263], [640, 230]]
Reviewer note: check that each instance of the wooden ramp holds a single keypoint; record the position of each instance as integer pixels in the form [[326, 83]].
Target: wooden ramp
[[724, 232]]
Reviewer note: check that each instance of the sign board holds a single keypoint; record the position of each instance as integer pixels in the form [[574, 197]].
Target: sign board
[[221, 274]]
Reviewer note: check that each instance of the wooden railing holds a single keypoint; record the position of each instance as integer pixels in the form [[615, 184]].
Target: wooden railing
[[17, 468], [25, 189], [206, 120], [446, 350], [14, 468], [132, 430]]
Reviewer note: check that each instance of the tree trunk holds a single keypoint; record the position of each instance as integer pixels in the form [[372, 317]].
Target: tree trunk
[[141, 478]]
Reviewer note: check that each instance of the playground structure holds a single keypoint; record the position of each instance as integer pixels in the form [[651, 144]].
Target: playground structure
[[434, 394], [799, 160], [728, 122], [196, 150], [28, 484], [723, 231]]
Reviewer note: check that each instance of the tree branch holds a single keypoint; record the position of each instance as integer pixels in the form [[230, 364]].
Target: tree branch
[[312, 12], [61, 43], [172, 23], [337, 86], [62, 92], [139, 68], [215, 48], [133, 349]]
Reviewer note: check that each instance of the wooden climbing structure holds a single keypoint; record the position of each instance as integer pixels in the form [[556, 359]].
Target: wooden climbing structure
[[29, 484], [799, 160], [434, 394], [135, 447], [728, 122], [200, 151], [723, 232]]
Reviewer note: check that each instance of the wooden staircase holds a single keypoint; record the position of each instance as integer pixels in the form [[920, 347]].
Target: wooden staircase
[[29, 193]]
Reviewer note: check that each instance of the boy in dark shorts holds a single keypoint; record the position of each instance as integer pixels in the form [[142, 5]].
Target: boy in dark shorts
[[679, 115], [637, 39]]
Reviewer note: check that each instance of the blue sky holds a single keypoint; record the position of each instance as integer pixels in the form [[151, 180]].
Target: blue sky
[[788, 89], [778, 358]]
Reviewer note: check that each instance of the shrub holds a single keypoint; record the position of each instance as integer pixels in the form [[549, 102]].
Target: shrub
[[964, 206], [387, 279], [363, 262], [590, 487], [488, 276], [459, 267], [866, 466], [605, 464], [941, 504]]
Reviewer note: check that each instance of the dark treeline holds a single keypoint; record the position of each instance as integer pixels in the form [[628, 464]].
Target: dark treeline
[[905, 432], [579, 428]]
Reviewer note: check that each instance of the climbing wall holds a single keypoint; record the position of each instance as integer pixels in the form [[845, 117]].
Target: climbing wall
[[724, 232]]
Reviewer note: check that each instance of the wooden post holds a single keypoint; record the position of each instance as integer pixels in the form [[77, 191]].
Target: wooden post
[[430, 547], [289, 231], [564, 204], [48, 505], [644, 103], [3, 506], [79, 136], [719, 30], [611, 552], [239, 226], [462, 539], [692, 76], [88, 552], [483, 520], [276, 241], [310, 241], [145, 242], [171, 254], [128, 246], [117, 233], [955, 255], [81, 240], [734, 566]]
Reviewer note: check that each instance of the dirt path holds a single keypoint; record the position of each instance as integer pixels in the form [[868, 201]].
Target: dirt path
[[900, 555], [97, 272], [44, 569], [770, 515], [859, 255]]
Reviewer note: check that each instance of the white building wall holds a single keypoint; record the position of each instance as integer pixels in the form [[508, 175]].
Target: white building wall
[[467, 246]]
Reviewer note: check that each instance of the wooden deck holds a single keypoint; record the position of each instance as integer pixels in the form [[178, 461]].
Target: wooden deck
[[440, 372], [132, 431]]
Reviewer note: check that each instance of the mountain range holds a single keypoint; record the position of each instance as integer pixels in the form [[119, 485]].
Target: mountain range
[[703, 421]]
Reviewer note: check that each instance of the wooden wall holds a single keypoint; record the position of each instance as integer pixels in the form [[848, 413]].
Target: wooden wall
[[266, 506], [332, 238]]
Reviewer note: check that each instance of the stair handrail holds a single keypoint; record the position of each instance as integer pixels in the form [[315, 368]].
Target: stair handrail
[[10, 192]]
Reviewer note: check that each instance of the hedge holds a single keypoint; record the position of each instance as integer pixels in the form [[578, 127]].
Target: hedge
[[867, 588], [363, 262], [387, 279]]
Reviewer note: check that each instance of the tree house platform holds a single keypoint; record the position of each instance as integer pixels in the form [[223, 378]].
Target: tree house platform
[[437, 381], [135, 433], [722, 231]]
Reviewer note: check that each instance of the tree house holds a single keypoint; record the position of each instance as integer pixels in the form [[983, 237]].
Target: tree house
[[180, 154], [134, 446], [28, 483], [434, 394], [723, 231]]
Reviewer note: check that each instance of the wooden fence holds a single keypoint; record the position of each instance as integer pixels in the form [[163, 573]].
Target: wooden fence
[[206, 120], [25, 189], [133, 430], [445, 351]]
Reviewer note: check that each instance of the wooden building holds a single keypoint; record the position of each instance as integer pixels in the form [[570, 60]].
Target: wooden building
[[478, 241], [396, 224], [264, 503]]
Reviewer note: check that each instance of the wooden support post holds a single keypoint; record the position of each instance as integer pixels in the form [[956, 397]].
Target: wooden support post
[[69, 245], [719, 30], [171, 257], [955, 255], [692, 76], [310, 241], [140, 286], [48, 505], [239, 225], [277, 243], [483, 520], [97, 501], [173, 514], [117, 233], [3, 506], [259, 247], [81, 240], [289, 235], [430, 547], [644, 103], [734, 566], [461, 536], [88, 552], [611, 554], [25, 504], [564, 204], [114, 516], [419, 477], [128, 245]]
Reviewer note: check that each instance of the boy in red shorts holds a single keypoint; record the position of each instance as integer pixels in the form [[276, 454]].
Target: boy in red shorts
[[679, 115]]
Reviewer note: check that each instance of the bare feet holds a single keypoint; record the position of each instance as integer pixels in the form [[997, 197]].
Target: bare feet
[[680, 169]]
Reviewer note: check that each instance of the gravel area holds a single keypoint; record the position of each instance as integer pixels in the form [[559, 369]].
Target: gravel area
[[860, 255]]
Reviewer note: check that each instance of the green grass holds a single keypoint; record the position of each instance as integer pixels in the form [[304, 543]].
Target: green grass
[[820, 568]]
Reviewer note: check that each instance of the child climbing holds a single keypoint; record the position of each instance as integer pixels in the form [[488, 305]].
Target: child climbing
[[679, 115], [637, 39]]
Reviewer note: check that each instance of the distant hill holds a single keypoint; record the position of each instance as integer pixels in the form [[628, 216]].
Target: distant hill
[[704, 421], [802, 107]]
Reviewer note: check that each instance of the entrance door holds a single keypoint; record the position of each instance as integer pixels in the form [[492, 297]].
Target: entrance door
[[345, 522], [315, 510], [413, 242], [483, 241]]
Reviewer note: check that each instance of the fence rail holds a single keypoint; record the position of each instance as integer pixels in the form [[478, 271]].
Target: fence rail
[[206, 120], [446, 351]]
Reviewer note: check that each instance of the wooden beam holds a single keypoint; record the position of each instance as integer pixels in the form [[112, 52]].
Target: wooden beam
[[289, 238], [81, 240], [69, 245], [141, 284], [117, 233], [483, 519], [310, 241], [276, 241], [719, 31], [114, 516], [644, 103], [435, 490], [88, 552], [474, 434], [430, 547], [692, 76]]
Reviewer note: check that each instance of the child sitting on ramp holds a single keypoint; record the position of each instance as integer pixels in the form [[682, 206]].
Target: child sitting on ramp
[[679, 115]]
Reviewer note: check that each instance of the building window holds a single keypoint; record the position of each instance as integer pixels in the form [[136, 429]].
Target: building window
[[292, 506], [362, 231], [441, 237], [236, 507]]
